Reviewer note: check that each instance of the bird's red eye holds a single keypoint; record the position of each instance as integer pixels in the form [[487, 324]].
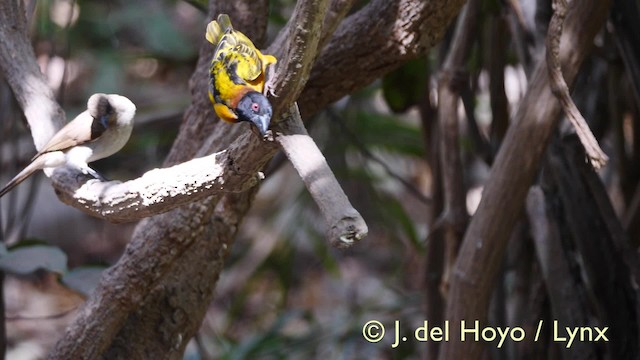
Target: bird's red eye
[[255, 107]]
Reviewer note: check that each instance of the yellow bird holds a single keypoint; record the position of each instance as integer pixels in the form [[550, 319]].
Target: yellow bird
[[237, 76]]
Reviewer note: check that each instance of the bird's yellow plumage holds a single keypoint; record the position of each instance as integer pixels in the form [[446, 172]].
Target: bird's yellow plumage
[[237, 75]]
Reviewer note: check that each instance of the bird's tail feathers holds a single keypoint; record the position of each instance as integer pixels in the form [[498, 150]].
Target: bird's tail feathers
[[36, 165], [225, 22], [217, 28]]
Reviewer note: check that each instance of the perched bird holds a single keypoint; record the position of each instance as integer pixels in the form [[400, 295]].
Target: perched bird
[[237, 76], [98, 132]]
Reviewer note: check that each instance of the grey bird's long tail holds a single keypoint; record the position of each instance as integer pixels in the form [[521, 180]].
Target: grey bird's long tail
[[36, 165]]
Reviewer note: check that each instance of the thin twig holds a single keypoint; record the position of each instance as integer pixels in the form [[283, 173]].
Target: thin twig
[[58, 315], [559, 87], [362, 148]]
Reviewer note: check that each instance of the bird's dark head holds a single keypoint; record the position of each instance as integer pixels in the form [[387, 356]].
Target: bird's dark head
[[255, 108]]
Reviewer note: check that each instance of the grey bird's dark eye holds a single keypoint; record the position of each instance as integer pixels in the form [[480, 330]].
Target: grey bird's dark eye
[[255, 107]]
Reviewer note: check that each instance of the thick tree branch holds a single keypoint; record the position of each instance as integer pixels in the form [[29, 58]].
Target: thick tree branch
[[596, 156], [19, 67], [338, 9], [294, 63], [514, 169], [567, 300], [159, 190], [17, 45], [372, 42]]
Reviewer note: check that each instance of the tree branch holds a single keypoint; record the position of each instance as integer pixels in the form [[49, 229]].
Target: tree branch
[[559, 87], [345, 224], [298, 54], [395, 32], [450, 82], [159, 190], [19, 67], [568, 303], [513, 171], [193, 222]]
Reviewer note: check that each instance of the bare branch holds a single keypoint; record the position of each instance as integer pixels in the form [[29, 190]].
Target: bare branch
[[449, 86], [338, 9], [503, 198], [19, 67], [198, 234], [596, 156], [159, 242], [567, 301], [158, 190], [295, 62], [345, 225], [372, 42]]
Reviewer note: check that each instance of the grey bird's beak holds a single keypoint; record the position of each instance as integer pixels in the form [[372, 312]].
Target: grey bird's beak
[[262, 123]]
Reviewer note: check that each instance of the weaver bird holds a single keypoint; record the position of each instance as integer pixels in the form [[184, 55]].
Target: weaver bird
[[98, 132], [237, 76]]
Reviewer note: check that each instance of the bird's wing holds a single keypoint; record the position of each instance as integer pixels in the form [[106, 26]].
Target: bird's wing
[[235, 44], [250, 64], [84, 128]]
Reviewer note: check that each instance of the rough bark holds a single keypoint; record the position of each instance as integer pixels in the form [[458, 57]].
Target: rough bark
[[395, 32], [567, 303], [514, 169], [598, 238]]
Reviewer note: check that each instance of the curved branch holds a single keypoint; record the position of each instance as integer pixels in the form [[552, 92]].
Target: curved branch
[[559, 87], [19, 67]]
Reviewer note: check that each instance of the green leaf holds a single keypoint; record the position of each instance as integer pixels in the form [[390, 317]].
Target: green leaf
[[389, 133], [26, 260], [406, 86], [83, 279], [395, 212]]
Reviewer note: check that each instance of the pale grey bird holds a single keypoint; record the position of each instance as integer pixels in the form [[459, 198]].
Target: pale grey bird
[[98, 132]]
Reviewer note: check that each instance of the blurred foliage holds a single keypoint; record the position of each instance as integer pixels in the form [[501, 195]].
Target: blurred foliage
[[407, 86], [27, 259]]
